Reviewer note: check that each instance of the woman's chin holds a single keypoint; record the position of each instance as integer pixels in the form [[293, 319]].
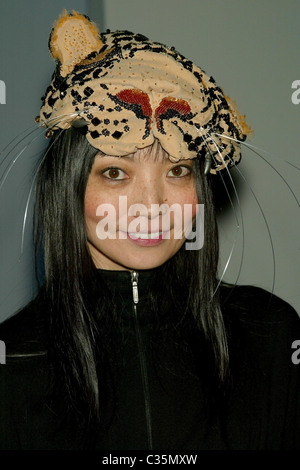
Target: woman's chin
[[143, 260]]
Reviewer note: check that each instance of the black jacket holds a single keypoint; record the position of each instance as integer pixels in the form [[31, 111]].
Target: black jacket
[[162, 399]]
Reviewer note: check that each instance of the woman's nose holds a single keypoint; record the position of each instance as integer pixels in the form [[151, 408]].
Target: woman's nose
[[150, 200]]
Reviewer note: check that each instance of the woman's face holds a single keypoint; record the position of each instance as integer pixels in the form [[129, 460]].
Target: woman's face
[[122, 236]]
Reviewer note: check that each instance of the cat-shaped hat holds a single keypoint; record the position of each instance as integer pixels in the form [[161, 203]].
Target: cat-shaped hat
[[127, 90]]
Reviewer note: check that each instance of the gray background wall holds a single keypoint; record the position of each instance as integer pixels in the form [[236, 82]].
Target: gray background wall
[[251, 48], [26, 68]]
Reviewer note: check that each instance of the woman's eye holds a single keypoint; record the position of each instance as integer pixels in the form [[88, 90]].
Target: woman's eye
[[179, 171], [114, 174]]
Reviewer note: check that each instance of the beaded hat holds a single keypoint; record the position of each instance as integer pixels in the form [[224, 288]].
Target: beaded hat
[[125, 91]]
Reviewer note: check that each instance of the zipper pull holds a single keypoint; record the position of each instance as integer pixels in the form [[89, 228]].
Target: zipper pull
[[134, 282]]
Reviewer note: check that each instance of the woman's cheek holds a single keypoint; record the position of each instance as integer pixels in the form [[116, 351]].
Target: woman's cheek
[[90, 208], [189, 199], [93, 201], [101, 215]]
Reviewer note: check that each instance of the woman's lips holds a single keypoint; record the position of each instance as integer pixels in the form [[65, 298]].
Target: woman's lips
[[148, 238], [145, 236]]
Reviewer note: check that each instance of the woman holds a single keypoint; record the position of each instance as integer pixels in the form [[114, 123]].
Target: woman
[[132, 343]]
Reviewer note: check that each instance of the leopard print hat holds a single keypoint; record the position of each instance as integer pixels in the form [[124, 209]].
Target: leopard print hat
[[125, 91]]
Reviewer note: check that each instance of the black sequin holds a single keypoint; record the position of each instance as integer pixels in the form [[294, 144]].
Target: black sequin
[[116, 135], [187, 138], [88, 91], [51, 101], [198, 140], [76, 95], [95, 134], [95, 121], [192, 147]]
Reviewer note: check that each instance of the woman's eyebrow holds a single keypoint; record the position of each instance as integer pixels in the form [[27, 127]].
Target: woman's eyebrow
[[100, 158]]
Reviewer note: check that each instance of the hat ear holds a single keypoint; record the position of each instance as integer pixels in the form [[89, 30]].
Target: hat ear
[[72, 39], [238, 119]]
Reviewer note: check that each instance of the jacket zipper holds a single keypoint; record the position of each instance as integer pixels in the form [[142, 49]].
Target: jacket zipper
[[142, 357]]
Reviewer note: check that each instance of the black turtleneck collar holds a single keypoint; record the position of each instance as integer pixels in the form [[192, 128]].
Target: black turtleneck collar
[[119, 282], [153, 305]]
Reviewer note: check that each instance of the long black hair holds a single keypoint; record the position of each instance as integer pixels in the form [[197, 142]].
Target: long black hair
[[75, 333]]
